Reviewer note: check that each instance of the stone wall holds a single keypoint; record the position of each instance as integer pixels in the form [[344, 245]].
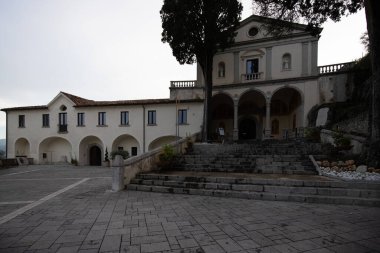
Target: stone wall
[[357, 125]]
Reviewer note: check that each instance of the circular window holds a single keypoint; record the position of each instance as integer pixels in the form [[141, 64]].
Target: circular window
[[253, 31], [63, 108]]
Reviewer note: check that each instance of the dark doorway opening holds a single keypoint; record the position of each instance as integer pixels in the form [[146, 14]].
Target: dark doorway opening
[[247, 129], [95, 156]]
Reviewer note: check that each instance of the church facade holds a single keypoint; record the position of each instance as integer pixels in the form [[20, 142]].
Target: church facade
[[263, 87]]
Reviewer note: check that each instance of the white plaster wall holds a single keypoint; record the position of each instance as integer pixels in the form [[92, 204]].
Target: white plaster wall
[[295, 50], [34, 133], [228, 59]]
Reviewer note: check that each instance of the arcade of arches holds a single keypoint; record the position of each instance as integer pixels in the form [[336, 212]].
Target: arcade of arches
[[253, 116]]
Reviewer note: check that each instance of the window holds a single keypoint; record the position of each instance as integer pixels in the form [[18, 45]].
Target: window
[[275, 126], [221, 69], [62, 122], [120, 148], [21, 120], [80, 119], [63, 119], [252, 66], [253, 31], [286, 61], [151, 117], [182, 116], [101, 119], [134, 151], [45, 120], [252, 69], [124, 118]]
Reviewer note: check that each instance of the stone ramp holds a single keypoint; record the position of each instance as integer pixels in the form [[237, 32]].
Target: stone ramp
[[310, 189]]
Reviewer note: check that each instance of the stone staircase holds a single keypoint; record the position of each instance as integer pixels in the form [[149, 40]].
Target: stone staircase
[[268, 157], [318, 190], [265, 170]]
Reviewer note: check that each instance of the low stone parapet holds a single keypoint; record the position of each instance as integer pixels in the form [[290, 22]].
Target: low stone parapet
[[147, 161]]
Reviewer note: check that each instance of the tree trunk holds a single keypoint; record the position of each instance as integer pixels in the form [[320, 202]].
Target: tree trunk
[[207, 73], [372, 10]]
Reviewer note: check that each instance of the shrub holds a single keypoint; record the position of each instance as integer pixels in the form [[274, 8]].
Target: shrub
[[167, 153], [106, 159], [341, 141], [123, 153], [313, 134]]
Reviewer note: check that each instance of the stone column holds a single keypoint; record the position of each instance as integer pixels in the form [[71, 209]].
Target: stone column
[[118, 174], [236, 129], [267, 121]]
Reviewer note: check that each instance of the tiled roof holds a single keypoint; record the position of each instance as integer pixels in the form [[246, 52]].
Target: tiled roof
[[82, 102], [77, 100]]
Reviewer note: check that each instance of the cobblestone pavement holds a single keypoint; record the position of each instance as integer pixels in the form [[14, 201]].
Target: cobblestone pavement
[[88, 217]]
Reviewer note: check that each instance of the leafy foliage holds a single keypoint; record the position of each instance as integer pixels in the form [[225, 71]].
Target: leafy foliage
[[313, 12], [167, 153], [196, 30], [123, 153]]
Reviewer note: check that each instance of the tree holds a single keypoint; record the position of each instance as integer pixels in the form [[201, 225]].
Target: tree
[[196, 30], [315, 13]]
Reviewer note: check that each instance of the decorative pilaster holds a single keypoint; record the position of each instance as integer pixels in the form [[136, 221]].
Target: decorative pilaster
[[268, 67], [305, 59], [236, 68]]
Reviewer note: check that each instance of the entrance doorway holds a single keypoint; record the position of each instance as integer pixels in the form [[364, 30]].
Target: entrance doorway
[[95, 156], [247, 129]]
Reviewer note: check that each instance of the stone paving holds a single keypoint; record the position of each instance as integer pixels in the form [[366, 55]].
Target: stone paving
[[91, 218]]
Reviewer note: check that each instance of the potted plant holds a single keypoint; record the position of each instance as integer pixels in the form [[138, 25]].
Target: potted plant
[[106, 162]]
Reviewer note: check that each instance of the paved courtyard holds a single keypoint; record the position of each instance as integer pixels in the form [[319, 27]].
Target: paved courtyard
[[71, 209]]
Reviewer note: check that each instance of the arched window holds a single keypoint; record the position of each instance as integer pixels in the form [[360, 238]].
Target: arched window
[[275, 126], [221, 69], [286, 61]]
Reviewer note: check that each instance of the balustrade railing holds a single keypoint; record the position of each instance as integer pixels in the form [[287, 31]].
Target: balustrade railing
[[183, 84], [333, 68], [252, 76]]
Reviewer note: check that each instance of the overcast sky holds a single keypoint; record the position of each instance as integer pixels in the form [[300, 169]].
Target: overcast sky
[[109, 50]]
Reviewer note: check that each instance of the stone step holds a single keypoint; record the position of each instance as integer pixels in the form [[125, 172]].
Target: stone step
[[303, 190], [260, 181], [343, 200]]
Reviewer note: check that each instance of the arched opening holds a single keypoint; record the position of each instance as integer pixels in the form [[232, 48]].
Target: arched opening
[[55, 150], [161, 141], [91, 151], [275, 127], [286, 106], [128, 143], [251, 115], [95, 156], [247, 129], [22, 147], [222, 115]]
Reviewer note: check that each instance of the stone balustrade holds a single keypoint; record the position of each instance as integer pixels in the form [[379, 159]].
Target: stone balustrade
[[183, 84], [333, 68]]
